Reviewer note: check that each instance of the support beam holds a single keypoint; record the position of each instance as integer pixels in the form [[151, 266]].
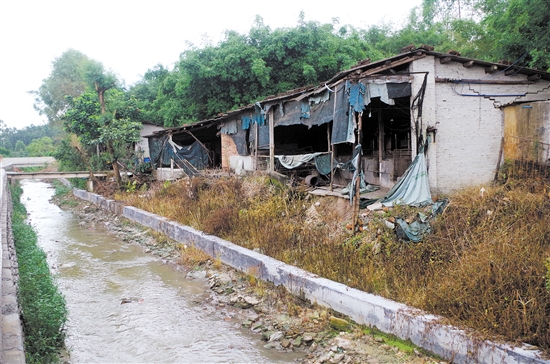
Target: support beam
[[510, 71], [358, 169], [380, 144], [256, 154], [389, 65], [331, 151], [483, 82], [52, 175], [271, 140]]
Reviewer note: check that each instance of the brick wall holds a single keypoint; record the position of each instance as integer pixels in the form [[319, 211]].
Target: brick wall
[[228, 149]]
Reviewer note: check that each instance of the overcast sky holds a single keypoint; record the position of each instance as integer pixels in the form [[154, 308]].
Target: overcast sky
[[131, 36]]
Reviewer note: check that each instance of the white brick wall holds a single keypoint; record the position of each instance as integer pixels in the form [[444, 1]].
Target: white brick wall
[[469, 128]]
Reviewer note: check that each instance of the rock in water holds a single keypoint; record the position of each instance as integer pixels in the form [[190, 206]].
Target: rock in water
[[198, 274], [338, 323], [276, 336]]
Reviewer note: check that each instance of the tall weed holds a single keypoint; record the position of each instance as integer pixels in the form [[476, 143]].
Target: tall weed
[[484, 265]]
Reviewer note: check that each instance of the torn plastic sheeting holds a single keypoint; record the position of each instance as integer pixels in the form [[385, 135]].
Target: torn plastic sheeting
[[356, 94], [295, 113], [295, 161], [305, 110], [239, 139], [343, 127], [377, 90], [414, 231], [259, 114], [413, 188], [229, 127], [322, 97], [322, 163], [245, 122], [263, 136], [418, 229], [163, 151]]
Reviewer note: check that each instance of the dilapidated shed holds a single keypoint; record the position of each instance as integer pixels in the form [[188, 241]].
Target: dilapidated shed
[[463, 113]]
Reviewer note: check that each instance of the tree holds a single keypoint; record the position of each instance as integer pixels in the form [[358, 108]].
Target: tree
[[20, 149], [41, 147], [4, 152], [519, 31], [112, 125], [244, 68], [146, 91], [67, 78]]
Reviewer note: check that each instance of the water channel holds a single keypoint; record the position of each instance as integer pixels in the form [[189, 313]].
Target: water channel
[[164, 321]]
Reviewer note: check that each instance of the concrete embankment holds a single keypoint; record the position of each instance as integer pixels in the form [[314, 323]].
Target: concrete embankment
[[10, 328], [391, 317]]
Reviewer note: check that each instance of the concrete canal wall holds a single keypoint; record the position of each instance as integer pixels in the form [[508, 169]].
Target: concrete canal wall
[[391, 317], [11, 330]]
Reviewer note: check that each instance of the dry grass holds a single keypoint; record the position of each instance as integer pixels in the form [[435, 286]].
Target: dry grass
[[191, 256], [485, 265]]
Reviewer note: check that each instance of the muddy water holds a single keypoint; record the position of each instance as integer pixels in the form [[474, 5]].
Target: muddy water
[[164, 320]]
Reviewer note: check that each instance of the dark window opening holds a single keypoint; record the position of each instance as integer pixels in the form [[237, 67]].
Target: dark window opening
[[299, 139]]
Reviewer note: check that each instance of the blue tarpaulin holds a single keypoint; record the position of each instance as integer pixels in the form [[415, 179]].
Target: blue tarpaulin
[[356, 92], [162, 151], [413, 187], [343, 127], [245, 122], [420, 227]]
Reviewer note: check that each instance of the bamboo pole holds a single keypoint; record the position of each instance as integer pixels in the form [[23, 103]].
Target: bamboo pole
[[271, 141], [256, 143], [331, 151], [358, 166], [380, 145]]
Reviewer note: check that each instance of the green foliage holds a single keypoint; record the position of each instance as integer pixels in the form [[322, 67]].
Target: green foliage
[[131, 187], [146, 91], [519, 30], [43, 307], [67, 157], [244, 68], [67, 78], [78, 183], [83, 117], [20, 149], [41, 147], [4, 152], [60, 189], [10, 136], [111, 130]]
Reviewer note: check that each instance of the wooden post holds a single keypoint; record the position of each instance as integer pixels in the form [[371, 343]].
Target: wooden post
[[271, 141], [358, 166], [331, 156], [256, 143], [380, 144]]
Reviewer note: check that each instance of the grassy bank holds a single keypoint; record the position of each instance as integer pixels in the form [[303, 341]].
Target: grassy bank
[[484, 266], [42, 305]]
